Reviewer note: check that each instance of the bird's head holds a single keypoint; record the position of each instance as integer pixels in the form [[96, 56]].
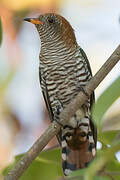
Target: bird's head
[[52, 26]]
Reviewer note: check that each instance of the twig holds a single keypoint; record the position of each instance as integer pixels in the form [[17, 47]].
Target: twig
[[68, 112], [114, 173], [102, 172], [107, 174]]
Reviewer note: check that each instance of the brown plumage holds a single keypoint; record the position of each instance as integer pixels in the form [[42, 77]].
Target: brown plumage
[[64, 70]]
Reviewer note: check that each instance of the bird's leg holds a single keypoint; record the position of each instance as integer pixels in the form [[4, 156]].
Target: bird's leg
[[59, 122], [81, 88], [56, 115]]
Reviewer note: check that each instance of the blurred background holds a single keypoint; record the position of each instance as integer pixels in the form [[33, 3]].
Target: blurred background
[[23, 116]]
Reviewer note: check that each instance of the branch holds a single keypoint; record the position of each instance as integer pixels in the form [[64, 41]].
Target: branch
[[68, 112]]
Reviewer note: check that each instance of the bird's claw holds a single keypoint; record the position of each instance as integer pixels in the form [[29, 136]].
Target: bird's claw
[[84, 91]]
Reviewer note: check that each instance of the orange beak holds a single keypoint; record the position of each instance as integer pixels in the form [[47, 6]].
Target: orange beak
[[33, 20]]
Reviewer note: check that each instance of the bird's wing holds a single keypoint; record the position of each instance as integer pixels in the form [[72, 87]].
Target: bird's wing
[[92, 97], [46, 95]]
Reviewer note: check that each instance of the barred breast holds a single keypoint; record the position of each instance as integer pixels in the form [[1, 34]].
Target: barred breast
[[63, 74]]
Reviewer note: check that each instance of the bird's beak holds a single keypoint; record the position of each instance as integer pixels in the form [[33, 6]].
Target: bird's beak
[[33, 20]]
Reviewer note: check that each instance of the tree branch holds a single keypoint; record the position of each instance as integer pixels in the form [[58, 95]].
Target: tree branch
[[68, 112]]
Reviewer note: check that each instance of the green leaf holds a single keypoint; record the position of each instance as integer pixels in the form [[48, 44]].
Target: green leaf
[[105, 101], [102, 178], [107, 137], [113, 165], [80, 172], [46, 166], [111, 123], [0, 32], [101, 160], [114, 168]]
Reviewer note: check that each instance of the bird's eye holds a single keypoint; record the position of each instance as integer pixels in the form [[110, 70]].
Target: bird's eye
[[50, 20]]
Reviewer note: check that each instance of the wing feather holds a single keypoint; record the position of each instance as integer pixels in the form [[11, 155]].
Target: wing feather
[[92, 97], [46, 96]]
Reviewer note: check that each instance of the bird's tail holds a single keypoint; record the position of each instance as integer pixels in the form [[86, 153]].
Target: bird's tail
[[78, 148]]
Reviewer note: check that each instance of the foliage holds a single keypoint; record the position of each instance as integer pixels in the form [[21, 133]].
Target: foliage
[[47, 164], [105, 167], [105, 101]]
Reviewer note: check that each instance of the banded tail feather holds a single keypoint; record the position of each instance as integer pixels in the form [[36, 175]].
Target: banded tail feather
[[78, 146]]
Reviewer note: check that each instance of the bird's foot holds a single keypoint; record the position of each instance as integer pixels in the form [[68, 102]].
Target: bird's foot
[[56, 120], [81, 88], [56, 116]]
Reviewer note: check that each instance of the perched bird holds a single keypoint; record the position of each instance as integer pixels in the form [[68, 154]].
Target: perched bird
[[64, 70]]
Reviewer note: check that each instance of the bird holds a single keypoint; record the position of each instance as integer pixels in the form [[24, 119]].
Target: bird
[[64, 70]]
